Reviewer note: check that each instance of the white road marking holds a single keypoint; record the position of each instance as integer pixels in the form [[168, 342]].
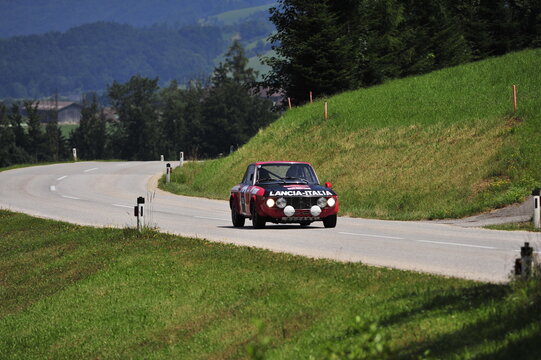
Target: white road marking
[[210, 218], [62, 177], [89, 170], [122, 206], [455, 244], [70, 197], [52, 187], [374, 236]]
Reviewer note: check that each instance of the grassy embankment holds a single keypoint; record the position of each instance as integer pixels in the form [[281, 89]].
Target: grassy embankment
[[68, 291], [445, 144]]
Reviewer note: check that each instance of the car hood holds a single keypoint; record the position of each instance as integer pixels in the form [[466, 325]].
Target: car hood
[[296, 190]]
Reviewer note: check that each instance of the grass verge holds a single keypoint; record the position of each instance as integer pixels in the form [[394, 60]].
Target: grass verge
[[521, 226], [68, 291], [441, 145]]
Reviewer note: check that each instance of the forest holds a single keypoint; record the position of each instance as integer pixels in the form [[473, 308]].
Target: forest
[[321, 46], [331, 46], [89, 57], [203, 121]]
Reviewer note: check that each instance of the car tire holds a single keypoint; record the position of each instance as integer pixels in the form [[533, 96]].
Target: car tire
[[258, 221], [237, 219], [330, 221]]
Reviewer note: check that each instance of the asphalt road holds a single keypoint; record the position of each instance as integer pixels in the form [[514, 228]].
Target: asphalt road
[[104, 194]]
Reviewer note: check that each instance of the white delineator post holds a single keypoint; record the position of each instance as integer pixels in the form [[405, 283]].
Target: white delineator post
[[181, 159], [161, 157], [536, 209], [74, 151], [168, 173], [139, 213]]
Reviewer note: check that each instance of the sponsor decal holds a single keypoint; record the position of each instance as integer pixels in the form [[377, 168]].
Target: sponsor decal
[[301, 193], [297, 187]]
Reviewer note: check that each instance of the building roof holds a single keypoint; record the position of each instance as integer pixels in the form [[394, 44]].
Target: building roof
[[49, 105]]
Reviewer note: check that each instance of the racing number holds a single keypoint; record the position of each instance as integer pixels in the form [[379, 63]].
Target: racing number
[[243, 200]]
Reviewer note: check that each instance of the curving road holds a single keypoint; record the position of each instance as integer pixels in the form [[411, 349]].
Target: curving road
[[104, 193]]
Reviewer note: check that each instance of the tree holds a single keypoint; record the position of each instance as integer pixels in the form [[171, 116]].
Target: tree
[[90, 137], [381, 35], [7, 137], [137, 135], [54, 141], [313, 50], [232, 110], [196, 140], [21, 138], [36, 137], [174, 132]]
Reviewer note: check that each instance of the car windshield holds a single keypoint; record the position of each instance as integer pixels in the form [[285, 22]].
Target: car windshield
[[286, 173]]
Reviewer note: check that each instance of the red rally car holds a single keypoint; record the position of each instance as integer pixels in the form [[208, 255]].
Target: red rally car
[[282, 192]]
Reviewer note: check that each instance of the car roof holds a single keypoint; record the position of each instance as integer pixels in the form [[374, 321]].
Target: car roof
[[280, 162]]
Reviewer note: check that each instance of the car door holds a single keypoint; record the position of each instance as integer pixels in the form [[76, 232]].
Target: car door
[[247, 183]]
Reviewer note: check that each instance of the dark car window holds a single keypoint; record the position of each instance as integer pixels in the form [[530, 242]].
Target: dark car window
[[249, 175], [289, 173]]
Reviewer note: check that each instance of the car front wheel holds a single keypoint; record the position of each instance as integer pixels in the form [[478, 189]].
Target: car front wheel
[[330, 221], [258, 221]]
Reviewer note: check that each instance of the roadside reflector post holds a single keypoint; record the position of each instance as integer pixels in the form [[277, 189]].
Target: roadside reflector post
[[515, 98], [161, 157], [536, 209], [181, 159], [74, 151], [168, 173], [526, 260], [518, 267], [326, 114], [138, 211]]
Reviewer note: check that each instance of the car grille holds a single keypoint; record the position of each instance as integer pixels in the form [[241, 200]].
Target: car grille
[[302, 202]]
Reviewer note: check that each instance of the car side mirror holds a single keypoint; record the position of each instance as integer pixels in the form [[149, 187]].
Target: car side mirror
[[328, 184]]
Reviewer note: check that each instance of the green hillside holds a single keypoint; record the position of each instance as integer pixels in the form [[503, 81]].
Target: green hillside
[[446, 144], [233, 16]]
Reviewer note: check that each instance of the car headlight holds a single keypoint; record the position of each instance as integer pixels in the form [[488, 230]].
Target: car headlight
[[322, 202], [270, 202], [331, 202], [281, 203]]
